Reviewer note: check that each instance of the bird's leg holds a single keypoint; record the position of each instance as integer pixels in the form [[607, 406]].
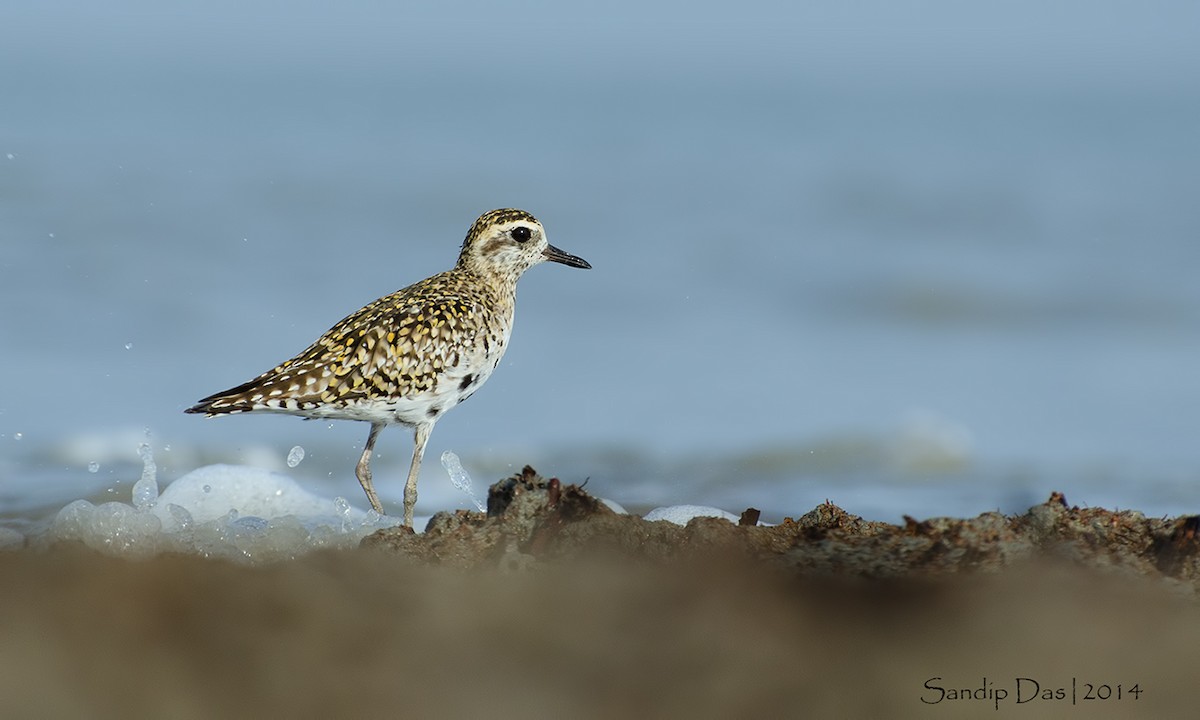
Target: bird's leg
[[420, 437], [363, 469]]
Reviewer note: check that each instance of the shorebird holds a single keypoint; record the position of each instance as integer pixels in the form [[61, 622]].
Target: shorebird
[[409, 357]]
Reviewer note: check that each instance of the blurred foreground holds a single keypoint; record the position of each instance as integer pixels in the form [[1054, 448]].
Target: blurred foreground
[[356, 633], [526, 612]]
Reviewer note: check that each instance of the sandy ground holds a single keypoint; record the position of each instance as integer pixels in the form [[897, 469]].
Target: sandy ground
[[539, 611]]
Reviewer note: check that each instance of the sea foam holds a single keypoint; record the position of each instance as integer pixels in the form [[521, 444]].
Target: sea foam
[[230, 511]]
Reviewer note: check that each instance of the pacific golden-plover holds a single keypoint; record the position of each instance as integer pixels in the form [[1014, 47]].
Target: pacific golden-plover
[[410, 356]]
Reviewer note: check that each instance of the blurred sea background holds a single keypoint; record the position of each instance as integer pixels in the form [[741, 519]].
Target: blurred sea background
[[917, 258]]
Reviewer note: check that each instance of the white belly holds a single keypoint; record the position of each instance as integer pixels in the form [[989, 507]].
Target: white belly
[[453, 386]]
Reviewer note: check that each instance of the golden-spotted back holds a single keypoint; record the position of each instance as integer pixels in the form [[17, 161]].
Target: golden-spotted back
[[410, 356], [406, 346]]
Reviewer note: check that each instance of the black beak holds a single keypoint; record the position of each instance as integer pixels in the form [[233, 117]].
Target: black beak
[[554, 254]]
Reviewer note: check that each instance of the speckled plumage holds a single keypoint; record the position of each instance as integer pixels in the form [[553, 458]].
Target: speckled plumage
[[396, 356], [408, 357]]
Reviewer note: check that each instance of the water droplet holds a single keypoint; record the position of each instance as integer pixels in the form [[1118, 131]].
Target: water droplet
[[207, 488], [128, 346], [93, 467], [18, 436], [10, 156], [51, 234], [295, 455]]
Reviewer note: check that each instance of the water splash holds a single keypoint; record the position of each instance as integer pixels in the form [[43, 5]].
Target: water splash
[[145, 490], [460, 478]]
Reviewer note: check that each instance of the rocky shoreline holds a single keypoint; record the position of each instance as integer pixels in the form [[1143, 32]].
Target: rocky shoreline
[[531, 519]]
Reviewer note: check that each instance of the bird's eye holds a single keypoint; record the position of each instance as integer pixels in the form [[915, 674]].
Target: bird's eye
[[521, 233]]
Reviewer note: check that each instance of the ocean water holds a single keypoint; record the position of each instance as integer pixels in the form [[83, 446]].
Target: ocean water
[[910, 260]]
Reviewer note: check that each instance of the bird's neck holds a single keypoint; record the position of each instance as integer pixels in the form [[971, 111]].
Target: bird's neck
[[502, 280], [502, 286]]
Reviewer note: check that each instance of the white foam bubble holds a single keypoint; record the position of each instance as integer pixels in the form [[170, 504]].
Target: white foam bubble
[[681, 514], [242, 513], [614, 506]]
